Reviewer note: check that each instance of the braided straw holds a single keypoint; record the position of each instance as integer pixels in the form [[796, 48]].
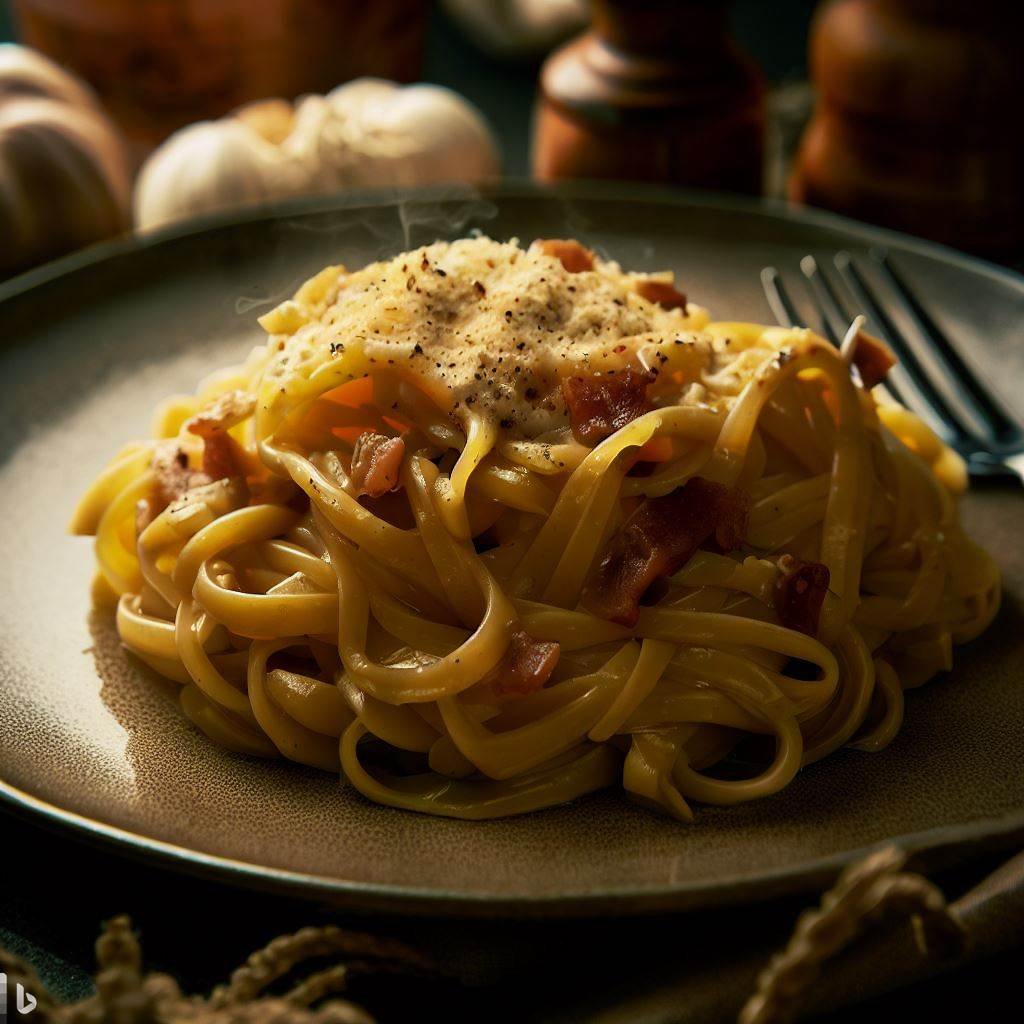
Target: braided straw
[[864, 893], [280, 956], [126, 995]]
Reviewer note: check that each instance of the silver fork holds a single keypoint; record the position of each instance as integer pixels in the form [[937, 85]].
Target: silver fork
[[931, 379]]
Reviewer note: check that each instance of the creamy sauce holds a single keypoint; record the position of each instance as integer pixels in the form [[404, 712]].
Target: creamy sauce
[[484, 327]]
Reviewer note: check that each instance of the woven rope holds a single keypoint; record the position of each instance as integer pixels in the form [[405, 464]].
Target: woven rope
[[278, 957], [126, 995], [865, 892]]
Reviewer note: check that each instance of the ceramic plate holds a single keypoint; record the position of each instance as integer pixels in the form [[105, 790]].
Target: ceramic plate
[[91, 740]]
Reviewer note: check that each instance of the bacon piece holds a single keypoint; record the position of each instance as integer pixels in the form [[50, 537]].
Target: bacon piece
[[526, 665], [223, 456], [873, 358], [230, 409], [172, 476], [658, 539], [660, 292], [799, 593], [733, 517], [574, 257], [601, 404], [376, 463]]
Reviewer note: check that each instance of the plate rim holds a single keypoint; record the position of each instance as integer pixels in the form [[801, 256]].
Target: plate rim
[[982, 833], [354, 199], [730, 890]]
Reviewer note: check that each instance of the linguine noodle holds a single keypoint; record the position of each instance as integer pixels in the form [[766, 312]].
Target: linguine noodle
[[487, 528]]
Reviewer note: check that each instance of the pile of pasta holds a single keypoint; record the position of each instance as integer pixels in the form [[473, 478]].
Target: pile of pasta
[[488, 528]]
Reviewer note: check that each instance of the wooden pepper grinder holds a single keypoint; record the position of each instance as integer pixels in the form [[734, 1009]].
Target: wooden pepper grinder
[[656, 90], [917, 124]]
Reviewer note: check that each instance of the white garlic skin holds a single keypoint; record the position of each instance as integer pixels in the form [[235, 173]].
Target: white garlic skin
[[24, 72], [64, 170], [208, 166], [413, 135], [367, 133]]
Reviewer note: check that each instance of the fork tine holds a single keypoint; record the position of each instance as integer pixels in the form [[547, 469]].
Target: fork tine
[[778, 298], [910, 380], [959, 374], [832, 318], [838, 315], [785, 314]]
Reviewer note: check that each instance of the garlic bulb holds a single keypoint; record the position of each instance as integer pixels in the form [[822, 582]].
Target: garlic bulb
[[205, 167], [416, 135], [367, 133], [25, 72], [64, 172]]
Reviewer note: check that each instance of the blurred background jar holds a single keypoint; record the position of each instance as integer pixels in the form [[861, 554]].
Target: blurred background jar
[[161, 64], [657, 91], [917, 123]]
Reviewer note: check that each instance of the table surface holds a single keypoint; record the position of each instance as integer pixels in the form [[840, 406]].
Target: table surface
[[56, 890]]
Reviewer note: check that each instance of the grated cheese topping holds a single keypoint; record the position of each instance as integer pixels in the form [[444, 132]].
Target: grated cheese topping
[[482, 327]]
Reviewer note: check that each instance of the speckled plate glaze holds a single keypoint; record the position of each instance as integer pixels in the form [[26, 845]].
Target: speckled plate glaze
[[90, 740]]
